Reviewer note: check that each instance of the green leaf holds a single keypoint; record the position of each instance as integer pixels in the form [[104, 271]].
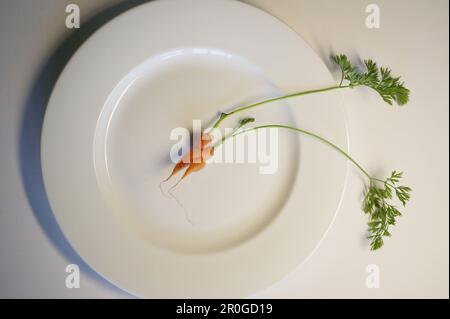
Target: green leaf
[[391, 89], [382, 213], [377, 243], [245, 121]]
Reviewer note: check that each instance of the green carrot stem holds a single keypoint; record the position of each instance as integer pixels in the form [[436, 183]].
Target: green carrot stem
[[334, 146], [223, 116]]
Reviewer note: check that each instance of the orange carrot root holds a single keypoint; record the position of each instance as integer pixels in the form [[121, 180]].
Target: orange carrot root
[[193, 161]]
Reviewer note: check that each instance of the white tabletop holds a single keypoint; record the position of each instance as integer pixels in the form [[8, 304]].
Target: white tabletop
[[412, 40]]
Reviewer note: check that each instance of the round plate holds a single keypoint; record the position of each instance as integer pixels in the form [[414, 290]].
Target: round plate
[[229, 230]]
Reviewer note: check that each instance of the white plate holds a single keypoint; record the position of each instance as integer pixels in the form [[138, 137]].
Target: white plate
[[106, 140]]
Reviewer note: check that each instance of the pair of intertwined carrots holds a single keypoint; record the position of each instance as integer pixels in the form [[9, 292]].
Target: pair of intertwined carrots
[[195, 159]]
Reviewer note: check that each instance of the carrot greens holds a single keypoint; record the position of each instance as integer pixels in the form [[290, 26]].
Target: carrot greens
[[380, 194]]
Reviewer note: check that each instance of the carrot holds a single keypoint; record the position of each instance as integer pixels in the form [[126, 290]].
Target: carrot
[[178, 167], [194, 160]]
